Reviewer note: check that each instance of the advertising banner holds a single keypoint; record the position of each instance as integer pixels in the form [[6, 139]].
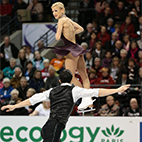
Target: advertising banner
[[32, 32], [78, 129]]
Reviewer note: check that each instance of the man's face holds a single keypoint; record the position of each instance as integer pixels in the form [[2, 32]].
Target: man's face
[[6, 41], [14, 96], [118, 44], [97, 62], [37, 55], [123, 55], [114, 37], [133, 104], [17, 72], [124, 76], [90, 28], [23, 83], [140, 20], [12, 63], [120, 5], [20, 1], [107, 11]]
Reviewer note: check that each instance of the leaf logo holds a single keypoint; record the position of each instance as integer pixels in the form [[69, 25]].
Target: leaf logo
[[112, 132]]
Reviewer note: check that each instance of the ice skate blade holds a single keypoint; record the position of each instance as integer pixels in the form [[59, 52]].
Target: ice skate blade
[[84, 111]]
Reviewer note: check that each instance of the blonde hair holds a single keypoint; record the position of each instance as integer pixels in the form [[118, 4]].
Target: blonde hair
[[22, 50], [109, 98], [33, 91], [60, 5]]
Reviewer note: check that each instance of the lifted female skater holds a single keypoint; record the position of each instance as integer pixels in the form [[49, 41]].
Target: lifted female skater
[[66, 30], [62, 100]]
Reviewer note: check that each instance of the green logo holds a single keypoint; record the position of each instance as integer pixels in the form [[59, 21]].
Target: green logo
[[112, 132]]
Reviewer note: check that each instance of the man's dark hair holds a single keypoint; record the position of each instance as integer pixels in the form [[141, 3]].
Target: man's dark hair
[[65, 76]]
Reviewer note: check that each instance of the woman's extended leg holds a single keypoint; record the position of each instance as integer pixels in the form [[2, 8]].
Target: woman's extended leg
[[71, 64], [81, 67]]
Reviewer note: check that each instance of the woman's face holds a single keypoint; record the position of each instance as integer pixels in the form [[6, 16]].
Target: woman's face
[[98, 46], [128, 21], [6, 84], [126, 39], [57, 12], [22, 54], [134, 45], [1, 76], [104, 73], [140, 54], [116, 62], [92, 75], [38, 75], [46, 64], [93, 36]]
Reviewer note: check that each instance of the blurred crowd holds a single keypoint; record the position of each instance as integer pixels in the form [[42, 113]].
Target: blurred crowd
[[113, 32]]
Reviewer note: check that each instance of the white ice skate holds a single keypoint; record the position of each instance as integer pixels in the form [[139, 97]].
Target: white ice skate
[[86, 102]]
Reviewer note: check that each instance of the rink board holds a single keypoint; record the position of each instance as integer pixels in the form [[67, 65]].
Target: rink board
[[78, 129]]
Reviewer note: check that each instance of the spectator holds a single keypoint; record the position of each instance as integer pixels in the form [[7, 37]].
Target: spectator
[[103, 17], [99, 52], [15, 80], [45, 73], [20, 111], [8, 51], [89, 60], [115, 68], [97, 66], [23, 88], [19, 5], [128, 28], [140, 23], [95, 26], [120, 12], [134, 109], [40, 46], [116, 50], [84, 45], [92, 77], [57, 63], [138, 79], [9, 71], [132, 69], [6, 8], [110, 45], [21, 60], [29, 71], [139, 42], [6, 90], [103, 36], [123, 79], [42, 109], [86, 34], [117, 29], [92, 40], [123, 58], [14, 97], [110, 108], [99, 7], [133, 52], [110, 27], [30, 93], [52, 80], [38, 61], [137, 6], [36, 9], [126, 43], [1, 79], [29, 54], [36, 82], [140, 58], [105, 78], [83, 17], [107, 60], [5, 12]]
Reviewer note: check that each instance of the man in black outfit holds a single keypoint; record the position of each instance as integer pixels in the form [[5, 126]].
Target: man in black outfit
[[62, 100]]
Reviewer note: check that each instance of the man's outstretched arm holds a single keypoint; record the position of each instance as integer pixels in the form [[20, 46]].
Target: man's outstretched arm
[[106, 92], [39, 97], [12, 107]]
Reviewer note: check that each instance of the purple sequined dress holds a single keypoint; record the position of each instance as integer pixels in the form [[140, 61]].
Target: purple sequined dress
[[69, 46]]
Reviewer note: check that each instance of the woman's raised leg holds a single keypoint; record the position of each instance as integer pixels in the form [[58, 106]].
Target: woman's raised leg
[[71, 64]]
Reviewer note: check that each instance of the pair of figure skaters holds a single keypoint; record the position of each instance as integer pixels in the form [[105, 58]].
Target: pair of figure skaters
[[62, 98]]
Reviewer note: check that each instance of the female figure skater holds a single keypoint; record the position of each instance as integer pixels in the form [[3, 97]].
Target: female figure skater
[[66, 30]]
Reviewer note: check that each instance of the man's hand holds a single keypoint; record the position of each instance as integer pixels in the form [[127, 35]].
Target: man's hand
[[8, 107], [123, 88]]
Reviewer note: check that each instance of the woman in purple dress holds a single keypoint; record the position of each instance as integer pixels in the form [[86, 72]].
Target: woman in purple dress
[[66, 30]]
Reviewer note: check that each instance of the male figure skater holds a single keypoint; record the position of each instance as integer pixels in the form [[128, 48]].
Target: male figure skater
[[62, 100]]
